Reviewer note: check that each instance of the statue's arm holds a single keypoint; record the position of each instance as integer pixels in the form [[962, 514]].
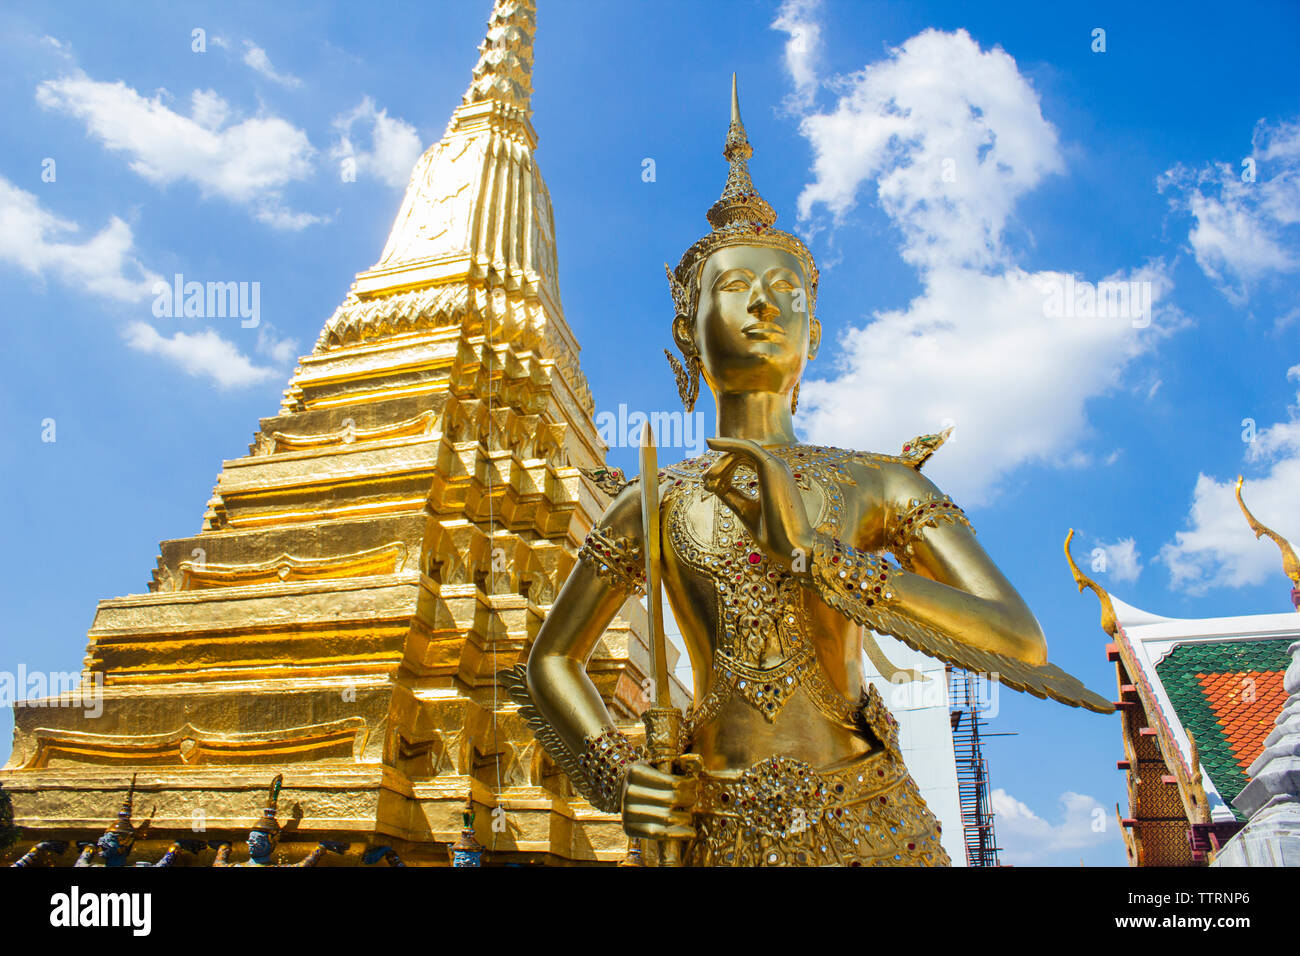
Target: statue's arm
[[40, 852], [946, 598], [609, 570], [948, 581], [321, 848], [168, 858]]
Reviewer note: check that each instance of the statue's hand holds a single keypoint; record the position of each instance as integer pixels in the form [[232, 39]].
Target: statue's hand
[[776, 519], [657, 805]]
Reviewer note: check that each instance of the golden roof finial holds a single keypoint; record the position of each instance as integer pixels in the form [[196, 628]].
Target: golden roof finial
[[504, 71], [1290, 563], [1109, 623]]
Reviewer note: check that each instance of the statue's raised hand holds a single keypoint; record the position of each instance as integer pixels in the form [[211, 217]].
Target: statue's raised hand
[[776, 519]]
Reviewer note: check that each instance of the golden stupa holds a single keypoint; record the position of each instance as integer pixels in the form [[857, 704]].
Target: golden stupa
[[390, 544]]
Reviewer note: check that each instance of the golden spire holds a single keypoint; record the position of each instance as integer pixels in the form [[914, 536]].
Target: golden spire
[[504, 71], [476, 219], [1109, 623], [1290, 563]]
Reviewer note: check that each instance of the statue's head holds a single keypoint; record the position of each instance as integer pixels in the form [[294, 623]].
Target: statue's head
[[745, 294], [113, 847], [264, 836], [117, 840], [260, 845]]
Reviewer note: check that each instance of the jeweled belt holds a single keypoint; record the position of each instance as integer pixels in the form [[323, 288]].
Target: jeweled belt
[[782, 796]]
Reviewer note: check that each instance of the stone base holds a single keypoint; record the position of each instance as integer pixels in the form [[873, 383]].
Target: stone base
[[1272, 838]]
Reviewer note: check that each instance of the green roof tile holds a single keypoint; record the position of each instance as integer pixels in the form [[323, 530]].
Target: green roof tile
[[1206, 684]]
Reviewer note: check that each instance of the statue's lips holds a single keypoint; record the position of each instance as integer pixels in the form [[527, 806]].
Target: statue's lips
[[762, 329]]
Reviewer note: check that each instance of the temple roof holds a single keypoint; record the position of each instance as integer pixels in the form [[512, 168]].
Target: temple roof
[[1219, 679], [1227, 695]]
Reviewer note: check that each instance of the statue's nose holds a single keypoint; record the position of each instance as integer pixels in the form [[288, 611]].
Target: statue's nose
[[761, 307]]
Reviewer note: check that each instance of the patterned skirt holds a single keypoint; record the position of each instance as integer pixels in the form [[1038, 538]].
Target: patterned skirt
[[782, 812]]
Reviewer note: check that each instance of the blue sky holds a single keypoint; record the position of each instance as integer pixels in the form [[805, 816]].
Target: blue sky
[[952, 164]]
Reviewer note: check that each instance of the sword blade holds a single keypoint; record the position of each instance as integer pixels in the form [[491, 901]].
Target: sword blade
[[653, 552]]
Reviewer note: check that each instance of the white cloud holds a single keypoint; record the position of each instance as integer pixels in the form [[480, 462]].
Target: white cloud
[[1123, 562], [394, 144], [797, 18], [248, 163], [1029, 840], [199, 354], [256, 58], [952, 137], [977, 352], [208, 109], [1243, 231], [951, 134], [278, 350], [1219, 549], [38, 242], [61, 48]]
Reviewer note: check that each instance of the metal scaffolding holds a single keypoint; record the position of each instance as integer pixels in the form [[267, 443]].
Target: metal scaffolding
[[966, 713]]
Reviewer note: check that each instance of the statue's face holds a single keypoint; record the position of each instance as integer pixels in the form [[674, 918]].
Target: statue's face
[[110, 846], [259, 844], [752, 325]]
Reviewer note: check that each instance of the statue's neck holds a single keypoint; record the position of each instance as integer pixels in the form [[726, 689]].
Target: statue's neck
[[762, 417]]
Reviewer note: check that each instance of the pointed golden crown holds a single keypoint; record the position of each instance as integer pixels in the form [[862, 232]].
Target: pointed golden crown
[[122, 827], [268, 824], [740, 217]]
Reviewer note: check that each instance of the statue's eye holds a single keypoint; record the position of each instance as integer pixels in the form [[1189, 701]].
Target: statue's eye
[[782, 285], [736, 285]]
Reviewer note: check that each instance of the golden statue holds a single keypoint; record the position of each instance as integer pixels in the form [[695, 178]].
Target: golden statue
[[773, 557]]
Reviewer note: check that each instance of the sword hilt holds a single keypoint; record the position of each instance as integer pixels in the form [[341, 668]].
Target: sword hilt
[[664, 730]]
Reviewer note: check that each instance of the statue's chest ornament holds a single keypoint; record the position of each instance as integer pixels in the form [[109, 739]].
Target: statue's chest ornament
[[764, 650]]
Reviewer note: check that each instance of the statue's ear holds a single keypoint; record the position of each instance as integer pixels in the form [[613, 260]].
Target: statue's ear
[[683, 334], [814, 337]]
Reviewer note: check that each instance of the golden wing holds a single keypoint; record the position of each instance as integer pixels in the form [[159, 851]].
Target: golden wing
[[1041, 680], [515, 683]]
